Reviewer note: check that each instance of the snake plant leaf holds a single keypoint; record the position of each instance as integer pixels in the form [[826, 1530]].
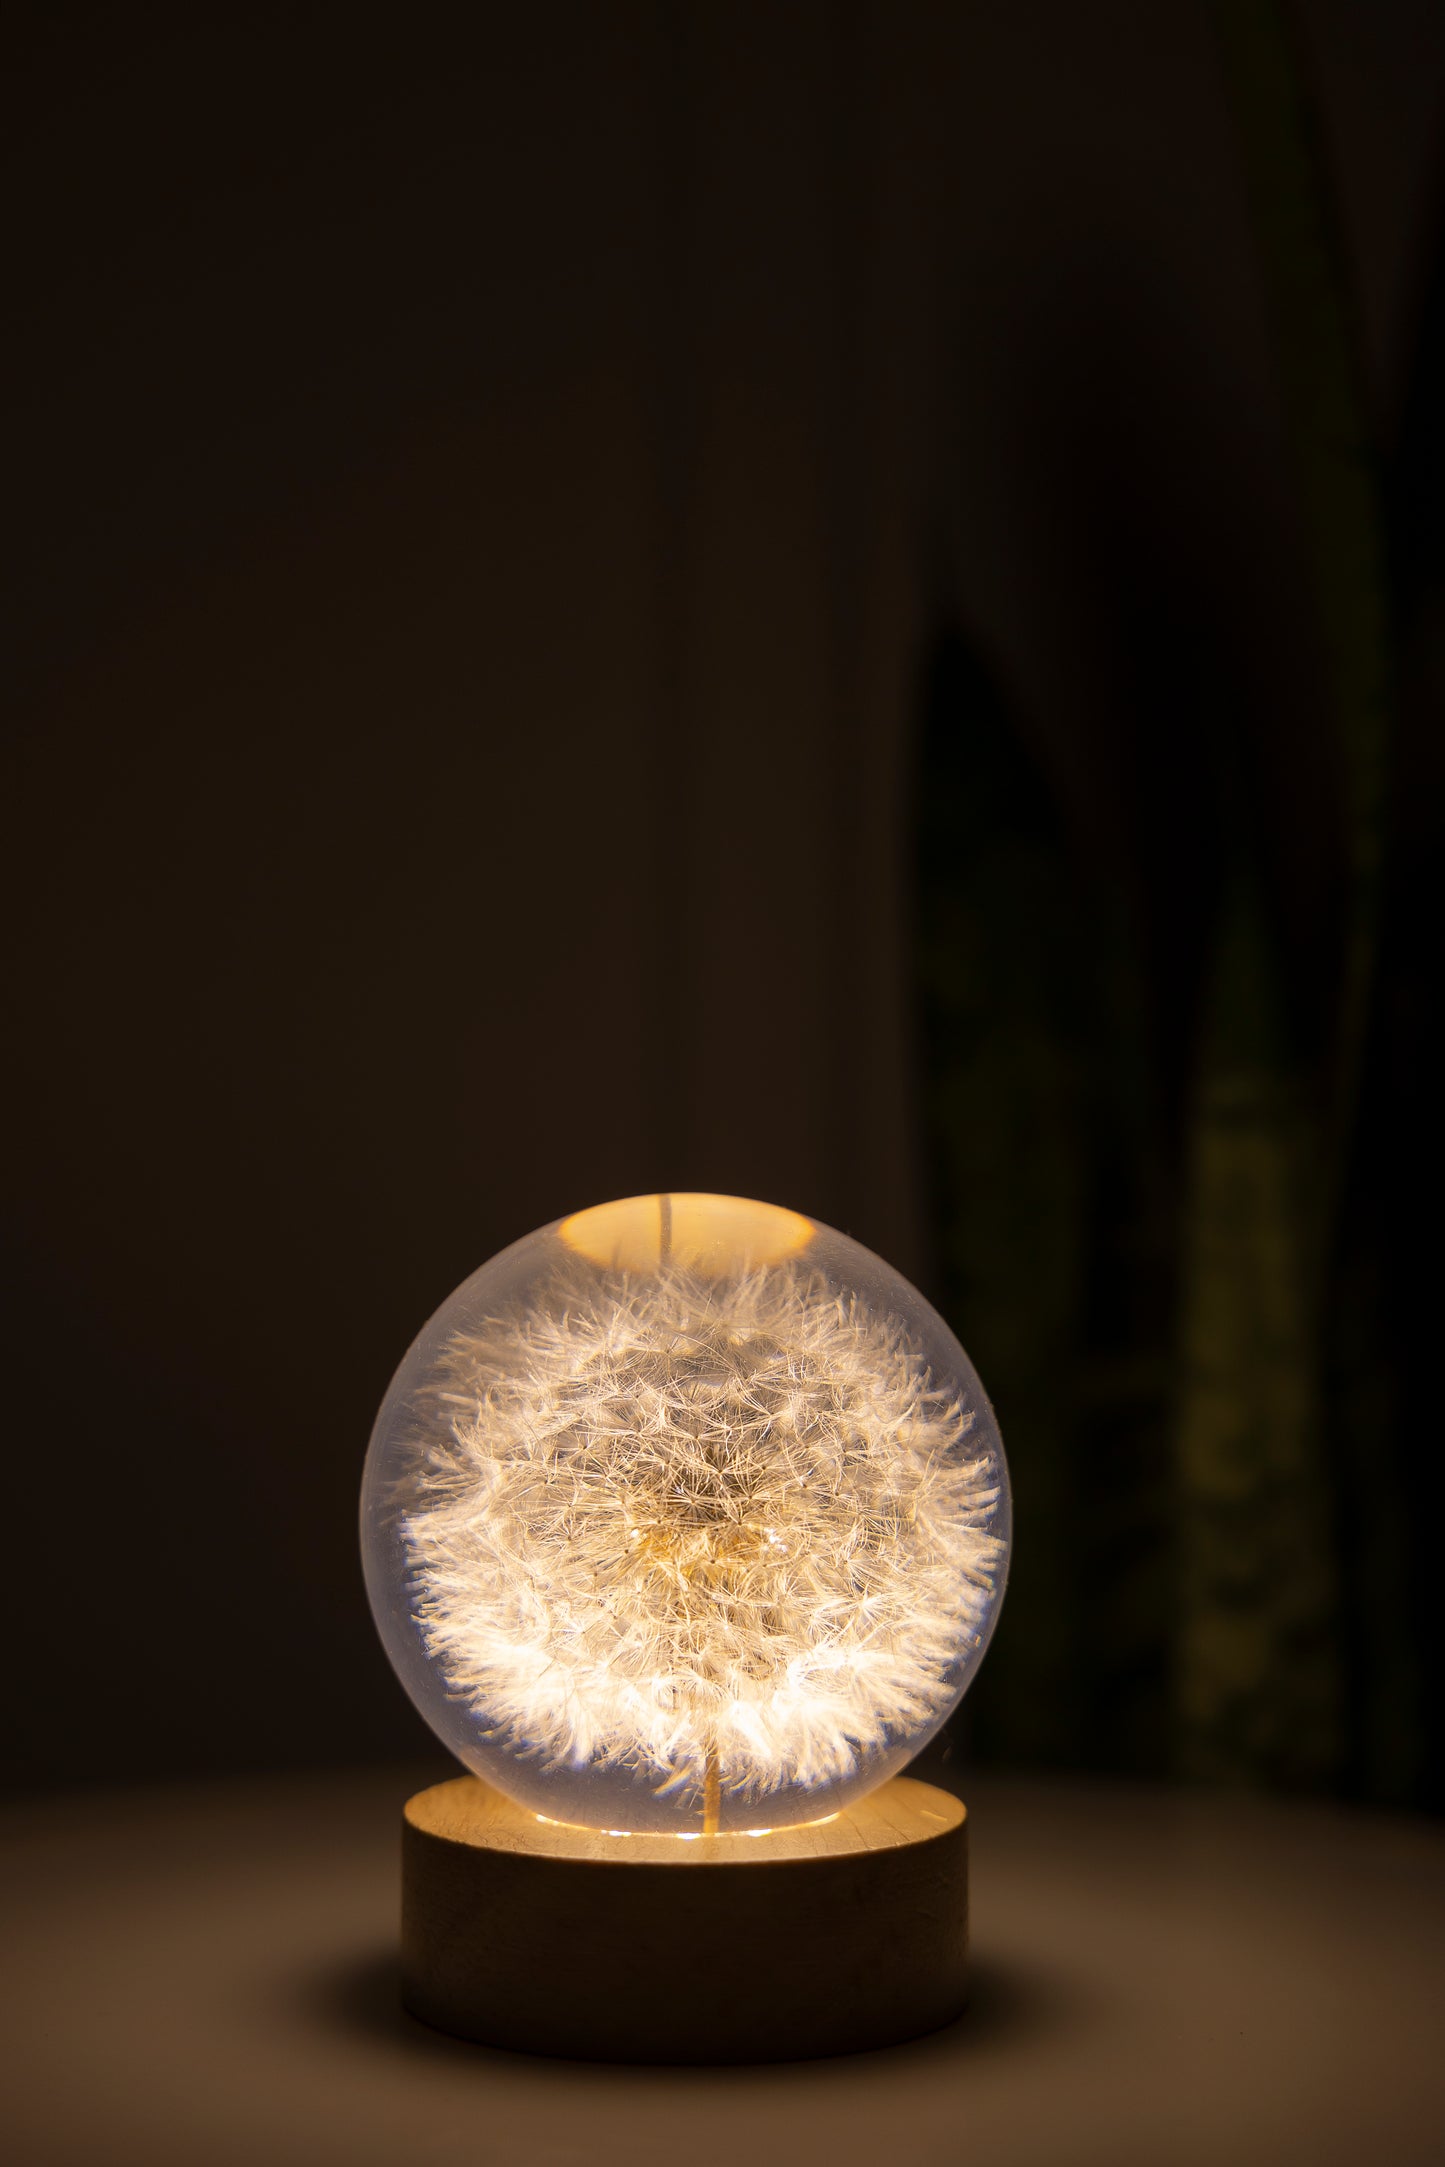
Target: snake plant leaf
[[1258, 1675], [1019, 1047]]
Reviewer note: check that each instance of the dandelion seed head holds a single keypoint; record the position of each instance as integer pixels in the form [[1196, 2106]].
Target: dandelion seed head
[[689, 1529]]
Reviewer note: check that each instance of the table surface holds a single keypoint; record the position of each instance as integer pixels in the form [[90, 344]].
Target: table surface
[[208, 1975]]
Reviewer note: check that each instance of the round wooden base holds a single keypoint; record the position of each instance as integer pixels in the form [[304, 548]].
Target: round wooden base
[[844, 1934]]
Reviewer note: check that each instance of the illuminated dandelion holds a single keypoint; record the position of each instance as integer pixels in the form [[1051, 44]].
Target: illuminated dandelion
[[724, 1533]]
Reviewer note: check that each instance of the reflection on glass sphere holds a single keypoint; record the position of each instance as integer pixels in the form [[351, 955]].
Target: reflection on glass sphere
[[685, 1514]]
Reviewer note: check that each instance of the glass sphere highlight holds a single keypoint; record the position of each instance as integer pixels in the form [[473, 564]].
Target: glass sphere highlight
[[686, 1515]]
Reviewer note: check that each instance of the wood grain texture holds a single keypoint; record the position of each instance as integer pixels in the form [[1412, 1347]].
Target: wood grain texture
[[848, 1933]]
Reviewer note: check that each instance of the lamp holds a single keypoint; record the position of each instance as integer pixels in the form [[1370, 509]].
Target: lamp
[[685, 1524]]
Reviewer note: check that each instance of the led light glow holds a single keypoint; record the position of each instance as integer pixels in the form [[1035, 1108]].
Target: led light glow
[[682, 1835]]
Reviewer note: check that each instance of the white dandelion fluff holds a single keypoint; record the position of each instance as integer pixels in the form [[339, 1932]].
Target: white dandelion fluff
[[725, 1534]]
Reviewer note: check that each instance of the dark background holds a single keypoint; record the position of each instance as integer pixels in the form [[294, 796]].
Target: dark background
[[815, 602]]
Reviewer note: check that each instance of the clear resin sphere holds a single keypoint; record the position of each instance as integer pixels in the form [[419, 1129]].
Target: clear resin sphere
[[685, 1514]]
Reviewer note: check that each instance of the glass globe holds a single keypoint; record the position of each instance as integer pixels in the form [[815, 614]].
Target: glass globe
[[685, 1514]]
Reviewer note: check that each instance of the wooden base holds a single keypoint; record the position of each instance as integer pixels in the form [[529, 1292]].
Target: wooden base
[[845, 1934]]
